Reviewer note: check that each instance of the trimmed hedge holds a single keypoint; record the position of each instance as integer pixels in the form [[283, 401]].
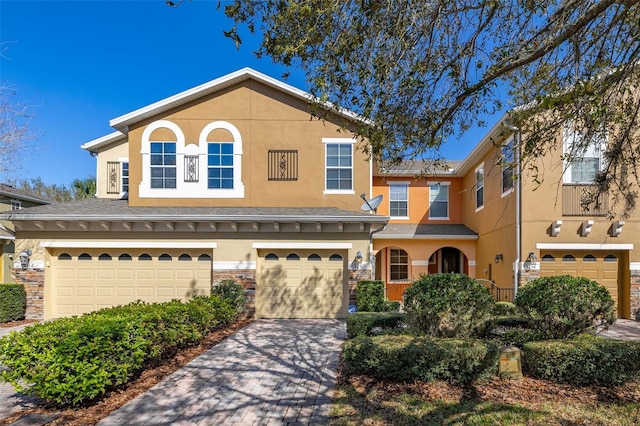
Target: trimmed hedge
[[506, 309], [366, 323], [449, 305], [233, 292], [370, 296], [586, 360], [71, 361], [565, 306], [409, 358], [13, 302]]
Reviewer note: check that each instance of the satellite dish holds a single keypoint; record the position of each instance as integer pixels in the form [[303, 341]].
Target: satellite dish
[[372, 204]]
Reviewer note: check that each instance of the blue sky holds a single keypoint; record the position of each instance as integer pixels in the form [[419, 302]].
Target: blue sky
[[79, 64]]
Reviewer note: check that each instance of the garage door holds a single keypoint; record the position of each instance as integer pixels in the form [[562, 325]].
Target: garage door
[[602, 267], [302, 284], [85, 280]]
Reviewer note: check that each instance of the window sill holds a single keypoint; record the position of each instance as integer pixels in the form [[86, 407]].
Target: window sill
[[504, 194], [438, 218], [339, 192], [399, 217], [479, 208]]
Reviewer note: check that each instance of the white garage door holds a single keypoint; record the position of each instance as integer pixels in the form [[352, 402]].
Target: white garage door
[[84, 280], [302, 284]]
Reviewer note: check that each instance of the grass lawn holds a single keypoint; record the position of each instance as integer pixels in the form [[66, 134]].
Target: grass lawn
[[360, 400]]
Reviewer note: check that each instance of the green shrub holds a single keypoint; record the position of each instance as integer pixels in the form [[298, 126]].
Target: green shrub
[[409, 358], [71, 361], [233, 292], [565, 306], [586, 360], [13, 301], [366, 323], [449, 305], [511, 321], [390, 306], [370, 296], [519, 336], [506, 309]]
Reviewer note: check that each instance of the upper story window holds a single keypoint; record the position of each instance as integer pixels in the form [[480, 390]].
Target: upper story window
[[125, 176], [338, 165], [583, 155], [16, 204], [163, 165], [479, 187], [439, 200], [399, 199], [220, 165], [508, 161]]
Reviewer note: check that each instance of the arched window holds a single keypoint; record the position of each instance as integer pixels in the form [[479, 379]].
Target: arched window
[[293, 256], [144, 256], [204, 258], [271, 256], [335, 258], [610, 258], [548, 258], [64, 256], [104, 256], [84, 256], [184, 257], [589, 258], [568, 258], [165, 257], [162, 143], [223, 144], [124, 256], [314, 258]]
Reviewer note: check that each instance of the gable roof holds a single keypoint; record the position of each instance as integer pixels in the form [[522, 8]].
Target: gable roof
[[11, 192], [124, 121], [96, 144]]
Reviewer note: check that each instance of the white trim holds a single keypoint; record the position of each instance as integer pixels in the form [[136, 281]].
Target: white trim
[[439, 184], [144, 188], [238, 186], [579, 246], [423, 237], [471, 262], [475, 186], [634, 266], [94, 145], [338, 191], [128, 244], [404, 184], [327, 246], [420, 263], [351, 141], [231, 265]]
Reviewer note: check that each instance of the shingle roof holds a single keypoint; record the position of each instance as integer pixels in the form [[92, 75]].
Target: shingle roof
[[10, 191], [115, 209], [426, 231]]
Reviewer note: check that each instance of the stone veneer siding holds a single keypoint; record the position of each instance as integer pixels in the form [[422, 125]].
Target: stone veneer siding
[[354, 277], [33, 281], [635, 294], [246, 278]]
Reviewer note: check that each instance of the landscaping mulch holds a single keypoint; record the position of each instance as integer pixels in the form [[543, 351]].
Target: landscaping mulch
[[92, 414], [16, 323]]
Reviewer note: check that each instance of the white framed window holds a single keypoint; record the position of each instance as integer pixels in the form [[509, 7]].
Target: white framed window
[[220, 165], [399, 200], [479, 187], [16, 204], [338, 165], [163, 165], [583, 158], [508, 161], [439, 200], [125, 176], [398, 265]]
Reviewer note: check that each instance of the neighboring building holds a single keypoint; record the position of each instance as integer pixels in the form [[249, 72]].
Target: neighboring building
[[233, 179], [230, 179], [12, 199]]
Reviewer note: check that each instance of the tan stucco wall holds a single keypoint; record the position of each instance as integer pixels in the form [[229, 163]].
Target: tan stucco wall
[[115, 152], [266, 119]]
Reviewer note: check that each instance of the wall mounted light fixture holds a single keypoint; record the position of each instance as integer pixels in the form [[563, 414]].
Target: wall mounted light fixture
[[24, 259], [530, 262], [499, 257]]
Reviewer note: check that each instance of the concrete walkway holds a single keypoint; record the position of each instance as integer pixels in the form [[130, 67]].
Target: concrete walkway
[[270, 372]]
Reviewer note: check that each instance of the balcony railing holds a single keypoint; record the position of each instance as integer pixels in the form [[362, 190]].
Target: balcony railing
[[577, 200]]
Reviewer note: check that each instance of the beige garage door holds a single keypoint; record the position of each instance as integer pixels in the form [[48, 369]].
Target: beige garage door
[[302, 284], [85, 280], [602, 267]]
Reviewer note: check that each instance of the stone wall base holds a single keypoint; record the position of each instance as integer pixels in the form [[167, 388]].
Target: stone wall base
[[634, 288], [33, 281], [246, 278], [354, 277]]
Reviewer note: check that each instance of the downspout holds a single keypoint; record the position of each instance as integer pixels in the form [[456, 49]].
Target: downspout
[[372, 258], [516, 264]]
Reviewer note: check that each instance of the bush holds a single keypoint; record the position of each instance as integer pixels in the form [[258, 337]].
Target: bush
[[71, 361], [565, 306], [370, 296], [505, 309], [366, 323], [449, 305], [586, 360], [409, 358], [232, 292], [13, 301], [390, 306], [519, 336]]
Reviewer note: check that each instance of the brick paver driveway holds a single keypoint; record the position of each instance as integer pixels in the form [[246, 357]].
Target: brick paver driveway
[[270, 372]]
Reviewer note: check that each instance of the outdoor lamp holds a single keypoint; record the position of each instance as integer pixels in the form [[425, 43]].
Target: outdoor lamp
[[498, 258], [359, 257], [24, 259], [532, 258]]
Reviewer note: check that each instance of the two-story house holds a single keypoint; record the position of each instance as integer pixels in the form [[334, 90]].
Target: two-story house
[[230, 179], [477, 217], [12, 199]]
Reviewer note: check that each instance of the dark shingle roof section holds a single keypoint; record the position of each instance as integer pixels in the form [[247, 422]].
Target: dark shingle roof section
[[114, 209], [419, 168], [426, 231], [11, 192]]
